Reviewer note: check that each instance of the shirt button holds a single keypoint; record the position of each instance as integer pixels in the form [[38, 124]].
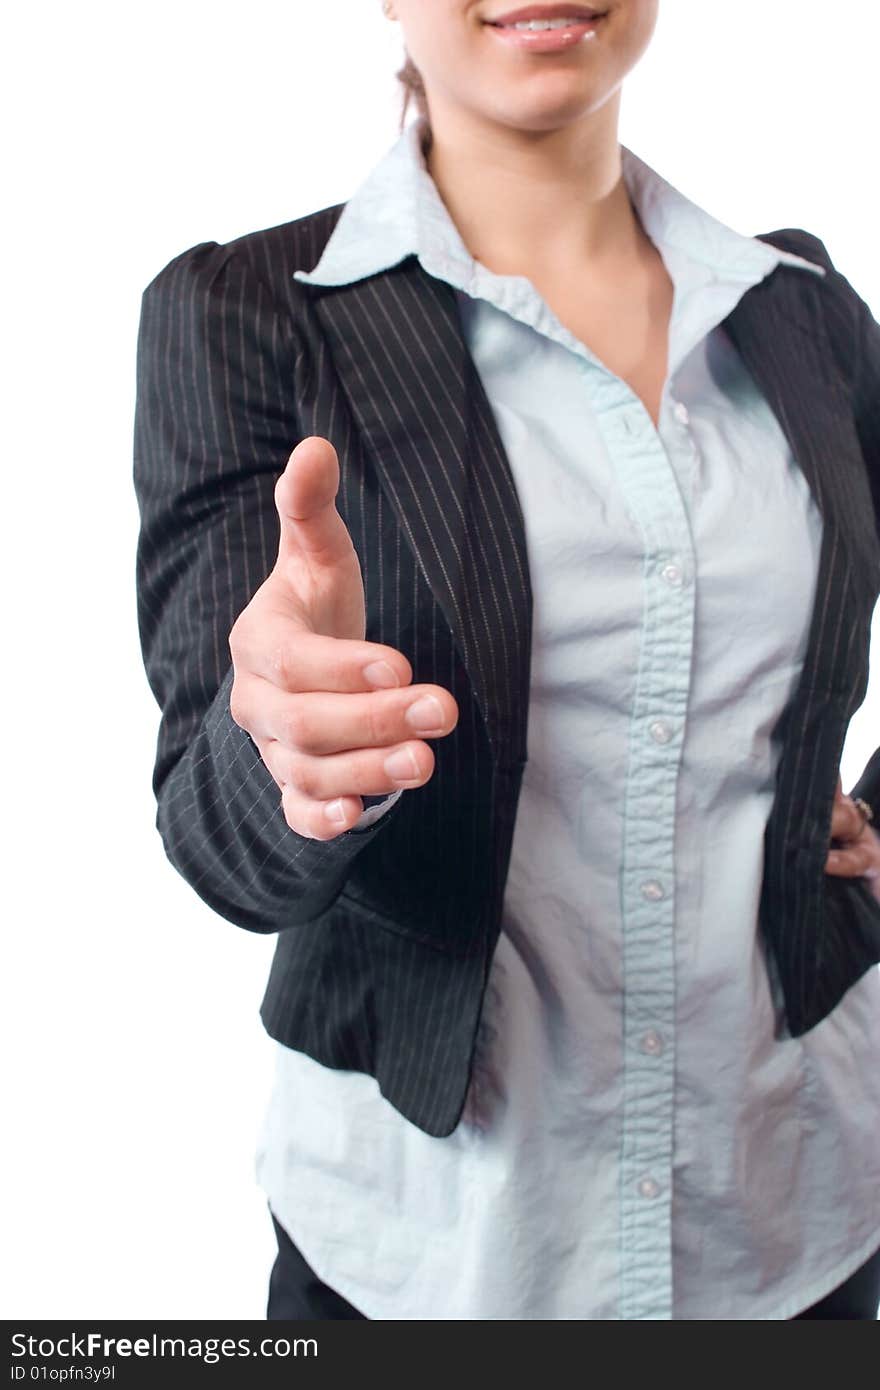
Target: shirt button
[[652, 890], [652, 1043], [671, 573], [648, 1187], [681, 412], [660, 731]]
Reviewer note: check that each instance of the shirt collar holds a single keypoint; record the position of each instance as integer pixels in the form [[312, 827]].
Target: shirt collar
[[397, 211]]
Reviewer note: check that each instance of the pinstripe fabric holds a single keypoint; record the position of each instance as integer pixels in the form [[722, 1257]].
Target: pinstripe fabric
[[384, 971], [824, 930]]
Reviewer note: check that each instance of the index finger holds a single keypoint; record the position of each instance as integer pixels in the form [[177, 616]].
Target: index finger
[[847, 821], [295, 658]]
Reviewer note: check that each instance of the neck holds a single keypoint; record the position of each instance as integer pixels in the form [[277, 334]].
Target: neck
[[524, 198]]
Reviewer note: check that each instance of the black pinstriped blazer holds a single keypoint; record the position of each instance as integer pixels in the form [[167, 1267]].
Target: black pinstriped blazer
[[385, 935]]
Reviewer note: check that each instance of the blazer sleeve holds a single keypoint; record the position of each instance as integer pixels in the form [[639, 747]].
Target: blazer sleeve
[[867, 408], [855, 335], [214, 426]]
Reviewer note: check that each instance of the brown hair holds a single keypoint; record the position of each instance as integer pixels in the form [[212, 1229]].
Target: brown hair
[[410, 79]]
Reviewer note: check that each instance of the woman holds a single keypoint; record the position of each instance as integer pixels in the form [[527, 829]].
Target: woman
[[585, 1027]]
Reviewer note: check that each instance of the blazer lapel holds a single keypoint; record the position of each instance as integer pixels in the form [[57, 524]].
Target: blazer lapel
[[417, 398]]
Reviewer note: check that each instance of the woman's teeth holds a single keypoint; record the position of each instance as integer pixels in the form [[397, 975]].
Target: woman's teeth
[[541, 24]]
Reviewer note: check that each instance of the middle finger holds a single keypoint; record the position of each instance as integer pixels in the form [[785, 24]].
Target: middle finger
[[320, 722], [853, 861]]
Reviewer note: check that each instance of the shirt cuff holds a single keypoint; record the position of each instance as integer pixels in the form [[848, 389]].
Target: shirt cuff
[[374, 806]]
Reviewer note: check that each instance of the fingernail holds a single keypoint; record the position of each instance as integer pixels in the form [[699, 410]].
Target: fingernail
[[425, 714], [381, 673], [402, 765], [336, 810]]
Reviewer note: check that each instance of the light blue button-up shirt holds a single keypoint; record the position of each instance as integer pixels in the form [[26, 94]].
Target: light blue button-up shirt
[[636, 1142]]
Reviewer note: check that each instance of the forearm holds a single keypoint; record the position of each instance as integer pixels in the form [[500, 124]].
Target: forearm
[[855, 336], [223, 828]]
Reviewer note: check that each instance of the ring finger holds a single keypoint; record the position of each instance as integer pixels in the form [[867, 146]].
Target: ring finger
[[354, 773]]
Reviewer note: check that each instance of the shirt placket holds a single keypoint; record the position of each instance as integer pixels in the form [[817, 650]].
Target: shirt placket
[[651, 489]]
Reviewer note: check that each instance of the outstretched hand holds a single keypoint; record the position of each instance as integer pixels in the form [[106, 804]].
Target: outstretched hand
[[333, 716]]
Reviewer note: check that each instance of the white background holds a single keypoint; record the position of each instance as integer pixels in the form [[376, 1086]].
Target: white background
[[136, 1064]]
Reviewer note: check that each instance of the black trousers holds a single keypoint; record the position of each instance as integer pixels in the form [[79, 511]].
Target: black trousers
[[296, 1292]]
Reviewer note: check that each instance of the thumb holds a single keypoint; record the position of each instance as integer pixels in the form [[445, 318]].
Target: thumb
[[305, 496]]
